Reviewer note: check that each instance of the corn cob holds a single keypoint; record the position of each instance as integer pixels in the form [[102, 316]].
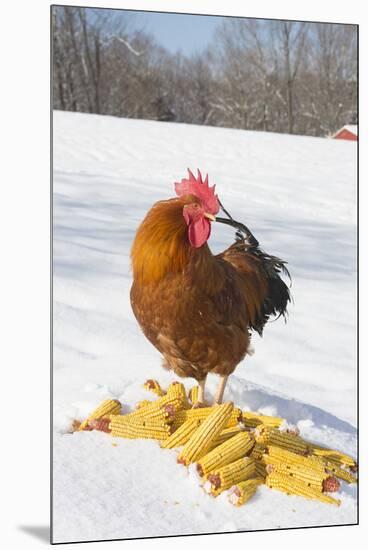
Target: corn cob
[[109, 406], [139, 420], [154, 386], [226, 434], [340, 472], [332, 460], [252, 420], [210, 428], [270, 436], [234, 448], [193, 394], [258, 451], [138, 429], [260, 469], [333, 456], [309, 476], [100, 424], [202, 413], [336, 462], [241, 492], [182, 434], [176, 389], [277, 454], [164, 407], [219, 480], [158, 414], [330, 485], [167, 400], [297, 487]]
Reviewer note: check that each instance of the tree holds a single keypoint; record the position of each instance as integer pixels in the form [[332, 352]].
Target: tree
[[290, 38], [333, 62], [260, 61], [279, 76], [79, 46], [243, 71]]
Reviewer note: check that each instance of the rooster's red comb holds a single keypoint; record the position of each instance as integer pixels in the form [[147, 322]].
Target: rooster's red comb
[[201, 189]]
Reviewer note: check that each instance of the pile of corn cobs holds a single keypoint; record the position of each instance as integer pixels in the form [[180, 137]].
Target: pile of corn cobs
[[232, 450]]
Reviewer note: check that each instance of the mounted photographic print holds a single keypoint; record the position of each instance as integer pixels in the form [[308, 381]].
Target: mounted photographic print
[[204, 375]]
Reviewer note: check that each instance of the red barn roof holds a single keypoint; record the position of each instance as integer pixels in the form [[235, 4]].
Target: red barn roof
[[350, 132]]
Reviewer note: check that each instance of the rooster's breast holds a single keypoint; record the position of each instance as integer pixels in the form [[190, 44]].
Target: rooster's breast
[[195, 331]]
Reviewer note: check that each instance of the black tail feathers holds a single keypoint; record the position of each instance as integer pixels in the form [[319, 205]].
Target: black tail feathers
[[278, 296]]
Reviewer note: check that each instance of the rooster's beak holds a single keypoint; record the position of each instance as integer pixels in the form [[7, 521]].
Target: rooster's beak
[[209, 216]]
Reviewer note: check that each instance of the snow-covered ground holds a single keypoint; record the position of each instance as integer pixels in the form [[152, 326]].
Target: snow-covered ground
[[298, 196]]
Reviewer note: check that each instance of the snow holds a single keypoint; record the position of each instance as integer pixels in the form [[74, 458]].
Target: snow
[[298, 196]]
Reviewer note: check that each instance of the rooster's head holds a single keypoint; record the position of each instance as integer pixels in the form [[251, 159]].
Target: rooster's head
[[200, 208]]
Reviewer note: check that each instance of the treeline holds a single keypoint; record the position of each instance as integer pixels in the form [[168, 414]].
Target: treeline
[[279, 76]]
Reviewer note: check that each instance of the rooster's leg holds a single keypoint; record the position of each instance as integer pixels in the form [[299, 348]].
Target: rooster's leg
[[220, 389], [201, 383]]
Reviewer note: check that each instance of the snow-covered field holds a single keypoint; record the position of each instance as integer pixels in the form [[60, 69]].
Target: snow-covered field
[[298, 196]]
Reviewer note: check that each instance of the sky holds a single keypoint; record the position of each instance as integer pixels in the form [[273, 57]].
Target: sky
[[179, 32]]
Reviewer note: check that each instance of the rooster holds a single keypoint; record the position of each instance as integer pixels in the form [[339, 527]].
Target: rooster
[[198, 309]]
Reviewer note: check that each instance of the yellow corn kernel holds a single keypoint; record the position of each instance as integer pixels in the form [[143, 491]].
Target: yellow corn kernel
[[163, 400], [160, 414], [333, 456], [193, 394], [295, 469], [177, 389], [138, 429], [260, 468], [271, 436], [153, 386], [252, 420], [258, 451], [219, 480], [184, 415], [340, 472], [297, 487], [125, 419], [278, 454], [226, 434], [165, 407], [182, 434], [240, 493], [309, 476], [331, 459], [202, 413], [210, 428], [109, 406], [234, 448]]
